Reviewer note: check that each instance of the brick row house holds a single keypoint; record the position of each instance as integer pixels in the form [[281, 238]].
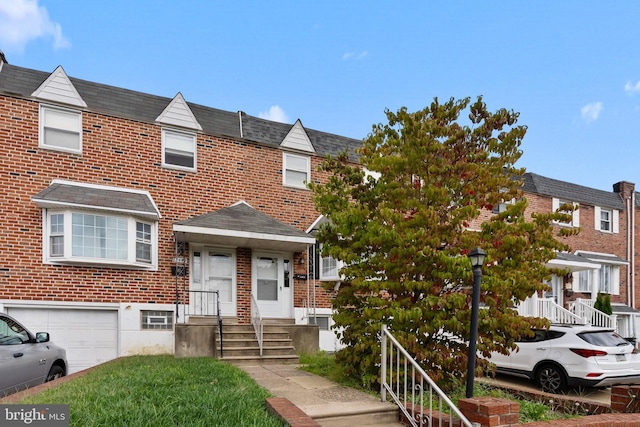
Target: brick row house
[[122, 211]]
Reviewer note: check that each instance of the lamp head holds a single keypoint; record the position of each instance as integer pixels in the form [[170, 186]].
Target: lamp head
[[477, 256]]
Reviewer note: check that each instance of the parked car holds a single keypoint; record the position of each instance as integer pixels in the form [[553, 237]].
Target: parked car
[[570, 356], [27, 360]]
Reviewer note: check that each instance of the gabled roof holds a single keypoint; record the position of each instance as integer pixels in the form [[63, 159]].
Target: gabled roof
[[58, 88], [178, 113], [297, 138], [66, 194], [129, 104], [241, 225], [533, 183]]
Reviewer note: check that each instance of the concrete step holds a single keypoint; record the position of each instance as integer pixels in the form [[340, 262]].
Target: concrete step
[[364, 417], [264, 360], [255, 351]]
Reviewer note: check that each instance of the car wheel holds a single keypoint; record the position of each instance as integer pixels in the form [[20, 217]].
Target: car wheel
[[551, 379], [54, 373]]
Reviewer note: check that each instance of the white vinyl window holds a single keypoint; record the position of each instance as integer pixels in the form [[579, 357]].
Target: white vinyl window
[[89, 238], [575, 215], [607, 280], [60, 129], [178, 149], [606, 220], [321, 321], [296, 170]]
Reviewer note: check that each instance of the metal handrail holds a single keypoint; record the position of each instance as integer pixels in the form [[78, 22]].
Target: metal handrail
[[257, 322], [219, 323], [407, 388]]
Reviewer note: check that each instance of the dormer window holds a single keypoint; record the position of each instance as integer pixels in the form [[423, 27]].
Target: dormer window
[[296, 170], [60, 129], [178, 149]]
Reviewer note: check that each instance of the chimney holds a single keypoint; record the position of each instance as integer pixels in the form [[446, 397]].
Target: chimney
[[624, 188]]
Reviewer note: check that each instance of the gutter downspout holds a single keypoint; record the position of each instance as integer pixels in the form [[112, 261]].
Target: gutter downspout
[[632, 250], [240, 121]]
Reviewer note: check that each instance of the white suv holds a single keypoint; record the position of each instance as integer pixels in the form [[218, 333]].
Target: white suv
[[572, 356]]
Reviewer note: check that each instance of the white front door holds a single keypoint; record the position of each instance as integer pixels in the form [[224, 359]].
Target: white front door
[[555, 292], [271, 291], [214, 270]]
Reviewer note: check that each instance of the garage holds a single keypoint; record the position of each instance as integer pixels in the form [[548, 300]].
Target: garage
[[90, 336]]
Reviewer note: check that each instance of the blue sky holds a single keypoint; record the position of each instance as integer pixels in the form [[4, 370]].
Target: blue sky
[[571, 68]]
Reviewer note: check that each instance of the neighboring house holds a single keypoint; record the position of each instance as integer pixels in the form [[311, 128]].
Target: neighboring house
[[602, 257], [120, 208], [121, 211]]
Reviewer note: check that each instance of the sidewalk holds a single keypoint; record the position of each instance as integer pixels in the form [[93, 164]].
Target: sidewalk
[[318, 397]]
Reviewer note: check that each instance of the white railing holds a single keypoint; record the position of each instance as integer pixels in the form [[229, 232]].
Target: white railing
[[257, 322], [418, 397], [586, 310], [547, 307]]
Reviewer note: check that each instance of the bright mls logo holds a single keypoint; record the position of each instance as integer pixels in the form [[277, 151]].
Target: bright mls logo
[[34, 415]]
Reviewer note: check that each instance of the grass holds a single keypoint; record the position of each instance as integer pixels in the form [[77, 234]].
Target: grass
[[323, 364], [162, 391]]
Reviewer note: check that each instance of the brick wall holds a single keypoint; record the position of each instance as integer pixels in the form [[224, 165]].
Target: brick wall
[[125, 153]]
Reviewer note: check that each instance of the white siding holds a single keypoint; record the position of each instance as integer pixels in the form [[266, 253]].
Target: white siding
[[298, 139], [58, 88], [178, 113]]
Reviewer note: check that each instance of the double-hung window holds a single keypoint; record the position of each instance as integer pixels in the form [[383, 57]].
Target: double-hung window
[[575, 214], [606, 220], [60, 129], [296, 170], [179, 149]]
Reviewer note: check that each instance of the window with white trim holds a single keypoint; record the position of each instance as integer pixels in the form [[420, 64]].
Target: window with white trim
[[92, 238], [607, 280], [583, 284], [575, 215], [296, 170], [606, 220], [179, 149], [60, 129]]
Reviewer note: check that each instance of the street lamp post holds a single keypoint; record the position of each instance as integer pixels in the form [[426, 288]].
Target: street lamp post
[[476, 256]]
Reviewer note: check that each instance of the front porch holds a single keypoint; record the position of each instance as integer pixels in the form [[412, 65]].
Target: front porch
[[625, 321]]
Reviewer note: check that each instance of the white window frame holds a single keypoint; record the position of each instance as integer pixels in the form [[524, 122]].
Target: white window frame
[[156, 320], [575, 220], [167, 133], [584, 282], [614, 220], [67, 256], [338, 265], [612, 272], [73, 128], [286, 167]]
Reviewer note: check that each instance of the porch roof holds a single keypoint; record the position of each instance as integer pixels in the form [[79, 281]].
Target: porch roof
[[572, 262], [240, 225]]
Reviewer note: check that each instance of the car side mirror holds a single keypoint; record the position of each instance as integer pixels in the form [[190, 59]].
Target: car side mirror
[[42, 337]]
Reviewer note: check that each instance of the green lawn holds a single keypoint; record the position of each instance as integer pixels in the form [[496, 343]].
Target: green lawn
[[162, 391]]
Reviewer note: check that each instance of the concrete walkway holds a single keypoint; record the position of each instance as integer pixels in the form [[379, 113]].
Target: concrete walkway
[[326, 402]]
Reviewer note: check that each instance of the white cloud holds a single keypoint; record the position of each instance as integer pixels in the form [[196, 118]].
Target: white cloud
[[352, 55], [632, 88], [276, 114], [23, 21], [591, 112]]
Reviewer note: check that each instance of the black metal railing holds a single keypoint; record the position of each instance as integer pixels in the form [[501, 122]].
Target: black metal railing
[[205, 303]]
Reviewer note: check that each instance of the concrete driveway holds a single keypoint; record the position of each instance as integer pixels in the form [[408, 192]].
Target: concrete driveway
[[601, 396]]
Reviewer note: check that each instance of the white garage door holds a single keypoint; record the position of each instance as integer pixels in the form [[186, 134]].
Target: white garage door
[[89, 336]]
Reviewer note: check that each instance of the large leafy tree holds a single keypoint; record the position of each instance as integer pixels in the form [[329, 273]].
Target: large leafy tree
[[404, 230]]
